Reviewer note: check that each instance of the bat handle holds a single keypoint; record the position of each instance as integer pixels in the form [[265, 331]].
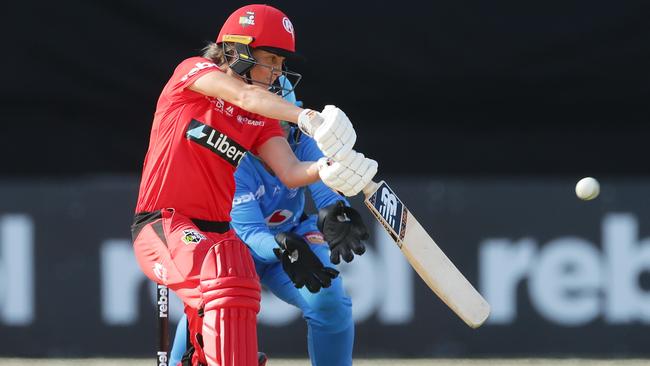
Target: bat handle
[[369, 189]]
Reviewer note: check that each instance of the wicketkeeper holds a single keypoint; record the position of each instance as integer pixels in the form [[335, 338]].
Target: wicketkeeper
[[294, 253]]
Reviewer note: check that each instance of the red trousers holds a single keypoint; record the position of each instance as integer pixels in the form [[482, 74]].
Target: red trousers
[[214, 274]]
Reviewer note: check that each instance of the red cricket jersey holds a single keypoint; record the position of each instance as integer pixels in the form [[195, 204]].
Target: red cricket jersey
[[195, 145]]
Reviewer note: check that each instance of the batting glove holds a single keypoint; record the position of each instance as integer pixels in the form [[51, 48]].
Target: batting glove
[[331, 129], [348, 176]]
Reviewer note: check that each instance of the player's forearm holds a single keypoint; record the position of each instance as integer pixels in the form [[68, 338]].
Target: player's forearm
[[293, 173], [265, 103], [249, 97], [299, 174]]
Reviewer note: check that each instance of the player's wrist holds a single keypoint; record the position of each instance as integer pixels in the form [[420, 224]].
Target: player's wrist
[[309, 120], [324, 162]]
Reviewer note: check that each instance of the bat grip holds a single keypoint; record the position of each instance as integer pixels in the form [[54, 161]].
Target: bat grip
[[369, 189]]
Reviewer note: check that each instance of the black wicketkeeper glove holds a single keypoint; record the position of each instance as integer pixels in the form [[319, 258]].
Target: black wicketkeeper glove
[[301, 264], [344, 231]]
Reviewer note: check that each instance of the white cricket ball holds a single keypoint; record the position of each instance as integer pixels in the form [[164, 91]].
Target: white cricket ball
[[587, 188]]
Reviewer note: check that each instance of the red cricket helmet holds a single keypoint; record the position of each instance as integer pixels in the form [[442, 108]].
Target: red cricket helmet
[[260, 26], [264, 27]]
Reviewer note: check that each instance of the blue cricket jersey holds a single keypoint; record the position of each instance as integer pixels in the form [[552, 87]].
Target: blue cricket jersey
[[263, 206]]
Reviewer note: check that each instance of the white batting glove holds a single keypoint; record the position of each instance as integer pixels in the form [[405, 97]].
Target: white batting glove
[[309, 120], [331, 129], [349, 176]]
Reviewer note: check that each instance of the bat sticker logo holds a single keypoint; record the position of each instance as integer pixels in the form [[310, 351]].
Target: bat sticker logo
[[388, 209]]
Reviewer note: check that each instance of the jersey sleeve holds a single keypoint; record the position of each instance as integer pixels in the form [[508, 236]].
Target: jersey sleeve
[[271, 129], [187, 72], [320, 193], [248, 220]]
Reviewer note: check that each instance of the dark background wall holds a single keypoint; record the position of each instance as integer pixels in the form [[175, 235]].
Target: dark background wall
[[448, 87]]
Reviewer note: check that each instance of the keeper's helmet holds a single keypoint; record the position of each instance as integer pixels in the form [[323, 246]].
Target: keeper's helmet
[[258, 26], [291, 130]]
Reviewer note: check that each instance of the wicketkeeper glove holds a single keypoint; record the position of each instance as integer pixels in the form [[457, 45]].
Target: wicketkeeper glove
[[301, 264], [331, 129], [343, 230]]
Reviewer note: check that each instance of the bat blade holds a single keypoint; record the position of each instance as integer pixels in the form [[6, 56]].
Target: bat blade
[[424, 255]]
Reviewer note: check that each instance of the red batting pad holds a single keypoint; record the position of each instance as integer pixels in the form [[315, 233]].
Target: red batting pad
[[231, 298]]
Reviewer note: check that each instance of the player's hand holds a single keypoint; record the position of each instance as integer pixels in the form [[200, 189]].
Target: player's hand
[[348, 176], [331, 129], [343, 230], [301, 264]]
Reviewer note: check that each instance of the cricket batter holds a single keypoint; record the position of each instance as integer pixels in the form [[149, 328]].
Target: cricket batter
[[212, 111], [266, 212]]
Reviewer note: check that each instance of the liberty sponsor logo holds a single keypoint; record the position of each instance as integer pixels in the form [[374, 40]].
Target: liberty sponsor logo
[[192, 237], [216, 141], [197, 67]]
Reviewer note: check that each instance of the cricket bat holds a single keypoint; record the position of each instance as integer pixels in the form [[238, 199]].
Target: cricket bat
[[424, 255]]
